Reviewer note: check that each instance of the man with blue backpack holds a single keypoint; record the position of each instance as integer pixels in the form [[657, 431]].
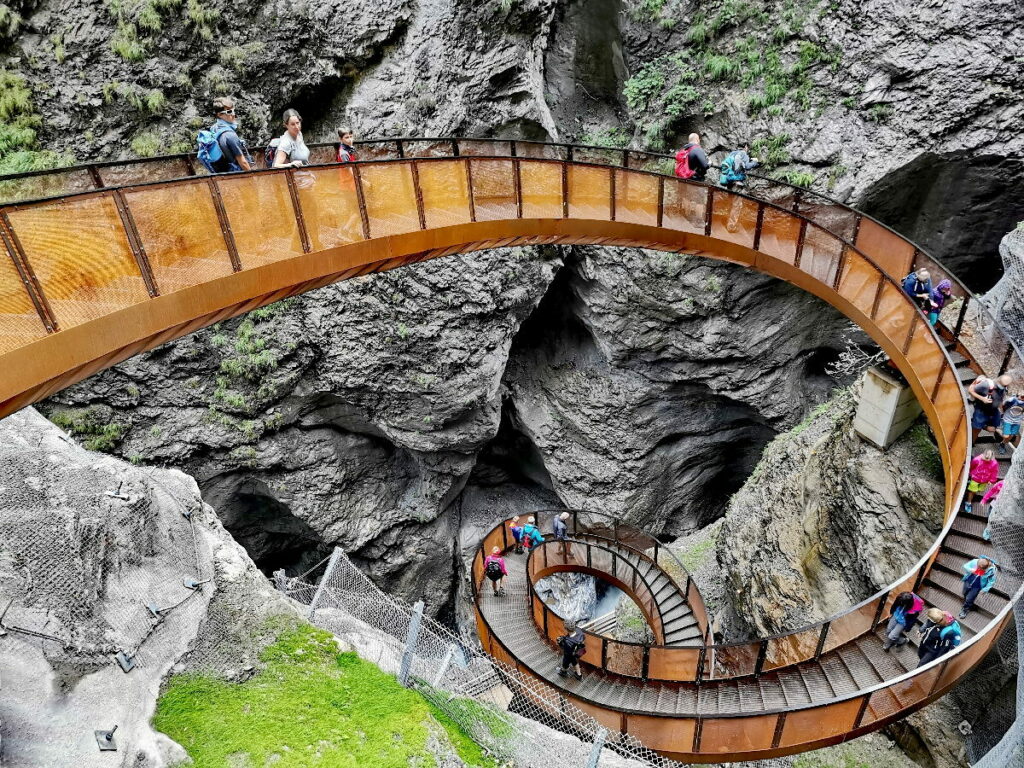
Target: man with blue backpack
[[219, 149], [733, 170]]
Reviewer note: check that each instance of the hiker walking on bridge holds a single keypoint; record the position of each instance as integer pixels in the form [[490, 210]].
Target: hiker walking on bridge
[[692, 161], [219, 149], [979, 576], [573, 645], [939, 635], [561, 530], [906, 610], [494, 567]]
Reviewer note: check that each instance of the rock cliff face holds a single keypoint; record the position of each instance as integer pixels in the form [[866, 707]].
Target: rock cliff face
[[86, 544], [827, 520]]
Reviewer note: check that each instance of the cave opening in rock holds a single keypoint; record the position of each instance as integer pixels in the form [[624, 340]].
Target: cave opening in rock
[[955, 206], [272, 535]]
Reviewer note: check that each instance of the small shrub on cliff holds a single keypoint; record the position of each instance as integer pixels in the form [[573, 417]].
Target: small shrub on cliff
[[202, 18], [126, 44], [92, 426], [18, 124]]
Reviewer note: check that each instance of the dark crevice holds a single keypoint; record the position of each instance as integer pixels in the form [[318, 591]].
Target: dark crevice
[[957, 207]]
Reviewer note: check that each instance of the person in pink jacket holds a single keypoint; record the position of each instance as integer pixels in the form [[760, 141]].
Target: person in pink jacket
[[990, 495], [984, 472], [495, 570]]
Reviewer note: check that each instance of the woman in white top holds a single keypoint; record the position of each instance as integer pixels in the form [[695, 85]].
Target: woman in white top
[[291, 149]]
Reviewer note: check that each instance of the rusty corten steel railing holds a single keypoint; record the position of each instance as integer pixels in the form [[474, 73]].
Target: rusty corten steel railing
[[92, 278]]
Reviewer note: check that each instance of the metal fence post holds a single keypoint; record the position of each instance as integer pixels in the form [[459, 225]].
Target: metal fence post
[[595, 751], [415, 621], [436, 682], [322, 586]]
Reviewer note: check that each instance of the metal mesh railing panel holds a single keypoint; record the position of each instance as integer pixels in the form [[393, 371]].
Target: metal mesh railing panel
[[181, 234], [445, 189], [390, 196], [780, 234], [20, 323], [79, 251], [262, 217], [494, 189], [590, 192], [330, 207], [734, 219]]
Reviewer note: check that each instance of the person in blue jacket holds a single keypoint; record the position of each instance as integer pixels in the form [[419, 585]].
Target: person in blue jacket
[[733, 170], [918, 286], [979, 576], [939, 635], [531, 535]]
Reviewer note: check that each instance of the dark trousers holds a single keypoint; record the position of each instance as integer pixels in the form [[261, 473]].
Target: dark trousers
[[569, 659], [928, 656], [970, 595]]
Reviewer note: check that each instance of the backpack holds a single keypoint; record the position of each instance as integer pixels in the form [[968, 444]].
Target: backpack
[[208, 149], [728, 172], [493, 570], [683, 170], [270, 153], [576, 647]]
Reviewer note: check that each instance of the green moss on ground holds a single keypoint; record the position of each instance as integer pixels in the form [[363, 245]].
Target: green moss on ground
[[309, 706]]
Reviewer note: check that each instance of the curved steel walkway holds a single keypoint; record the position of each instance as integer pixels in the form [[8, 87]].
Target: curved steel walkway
[[102, 272]]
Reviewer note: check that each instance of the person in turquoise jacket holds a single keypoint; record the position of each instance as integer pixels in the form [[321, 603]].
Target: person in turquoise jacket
[[979, 576], [531, 535]]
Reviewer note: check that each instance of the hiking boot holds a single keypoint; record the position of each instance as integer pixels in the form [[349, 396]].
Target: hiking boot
[[987, 533], [963, 613], [562, 672], [887, 645], [578, 675], [501, 592], [968, 507], [1001, 449]]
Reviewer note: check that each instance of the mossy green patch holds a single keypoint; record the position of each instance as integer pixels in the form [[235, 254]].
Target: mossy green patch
[[309, 706]]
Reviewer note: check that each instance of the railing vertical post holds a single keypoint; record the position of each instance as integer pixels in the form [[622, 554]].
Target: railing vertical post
[[625, 159], [400, 145], [686, 590], [469, 183], [611, 195], [800, 243], [293, 192], [821, 639], [420, 212], [595, 749], [880, 609], [604, 653], [861, 710], [656, 548], [797, 197], [938, 382], [27, 275], [135, 243], [758, 226], [961, 317], [321, 588], [455, 148], [364, 215], [415, 621], [762, 654], [517, 180], [843, 256], [94, 174], [780, 723], [225, 226], [512, 148], [661, 201], [565, 188], [702, 658], [190, 165], [920, 576], [709, 211], [645, 665], [878, 295]]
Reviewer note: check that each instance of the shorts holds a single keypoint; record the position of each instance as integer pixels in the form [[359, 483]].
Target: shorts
[[975, 487], [1009, 430], [982, 419]]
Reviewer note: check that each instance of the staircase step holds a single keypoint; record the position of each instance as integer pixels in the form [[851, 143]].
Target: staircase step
[[793, 686], [816, 681], [771, 692], [987, 602], [951, 603], [838, 675], [863, 672]]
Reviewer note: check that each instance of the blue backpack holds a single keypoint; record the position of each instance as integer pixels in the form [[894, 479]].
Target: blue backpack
[[208, 149]]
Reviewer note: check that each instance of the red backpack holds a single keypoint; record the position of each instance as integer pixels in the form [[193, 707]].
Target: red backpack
[[683, 170]]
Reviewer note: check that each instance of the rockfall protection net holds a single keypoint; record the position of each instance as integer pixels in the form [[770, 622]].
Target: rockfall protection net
[[1006, 302]]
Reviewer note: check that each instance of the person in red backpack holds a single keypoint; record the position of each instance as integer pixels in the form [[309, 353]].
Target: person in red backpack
[[692, 161]]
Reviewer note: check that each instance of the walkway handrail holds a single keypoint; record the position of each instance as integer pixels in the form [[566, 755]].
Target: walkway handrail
[[996, 353]]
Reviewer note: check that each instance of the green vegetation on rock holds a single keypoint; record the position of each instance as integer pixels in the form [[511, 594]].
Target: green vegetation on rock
[[310, 705], [93, 425], [18, 125]]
